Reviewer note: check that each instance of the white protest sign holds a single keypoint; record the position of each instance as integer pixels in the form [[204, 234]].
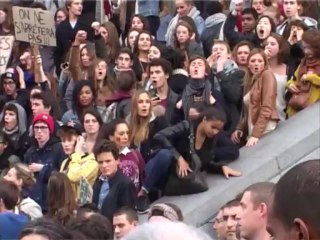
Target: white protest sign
[[34, 26], [6, 43]]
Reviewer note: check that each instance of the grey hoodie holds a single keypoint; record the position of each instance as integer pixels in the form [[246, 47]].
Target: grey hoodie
[[22, 123]]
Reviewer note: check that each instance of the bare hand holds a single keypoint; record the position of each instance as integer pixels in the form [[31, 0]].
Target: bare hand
[[179, 104], [21, 77], [80, 37], [293, 88], [35, 167], [304, 78], [229, 172], [183, 167], [155, 101], [96, 27], [220, 63], [268, 53], [238, 4], [212, 59], [252, 141], [293, 36], [79, 145], [236, 136], [212, 100]]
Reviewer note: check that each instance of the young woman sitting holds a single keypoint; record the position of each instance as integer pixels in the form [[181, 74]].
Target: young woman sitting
[[210, 142]]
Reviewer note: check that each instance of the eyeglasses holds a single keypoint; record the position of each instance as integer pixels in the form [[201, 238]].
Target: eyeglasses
[[42, 128]]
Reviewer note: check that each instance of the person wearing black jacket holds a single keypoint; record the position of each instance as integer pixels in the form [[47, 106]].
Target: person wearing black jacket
[[198, 92], [67, 30], [112, 189], [249, 18], [13, 87], [211, 144], [227, 78], [163, 98], [7, 155]]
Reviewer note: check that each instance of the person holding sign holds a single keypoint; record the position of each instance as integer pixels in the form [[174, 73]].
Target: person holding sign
[[67, 30]]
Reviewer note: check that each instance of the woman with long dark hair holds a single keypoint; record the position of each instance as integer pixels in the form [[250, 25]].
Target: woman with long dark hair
[[131, 161], [83, 97], [210, 142], [277, 51], [61, 200], [141, 50]]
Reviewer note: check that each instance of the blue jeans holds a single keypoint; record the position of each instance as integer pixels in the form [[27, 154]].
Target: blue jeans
[[157, 170]]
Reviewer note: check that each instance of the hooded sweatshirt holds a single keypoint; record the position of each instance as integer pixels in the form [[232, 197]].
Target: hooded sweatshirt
[[15, 134]]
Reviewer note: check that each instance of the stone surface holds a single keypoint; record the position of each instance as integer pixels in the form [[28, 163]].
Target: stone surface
[[296, 139]]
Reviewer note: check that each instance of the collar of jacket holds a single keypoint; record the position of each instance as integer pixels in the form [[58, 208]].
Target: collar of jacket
[[112, 180]]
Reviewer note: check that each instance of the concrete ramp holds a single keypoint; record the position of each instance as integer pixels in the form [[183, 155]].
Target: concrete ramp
[[275, 153]]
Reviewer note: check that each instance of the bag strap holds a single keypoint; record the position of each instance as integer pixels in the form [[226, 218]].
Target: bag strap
[[195, 158], [191, 138]]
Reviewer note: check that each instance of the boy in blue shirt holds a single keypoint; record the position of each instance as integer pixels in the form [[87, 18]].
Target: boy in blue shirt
[[11, 224]]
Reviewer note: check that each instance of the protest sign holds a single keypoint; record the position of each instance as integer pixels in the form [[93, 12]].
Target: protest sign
[[34, 26], [6, 43]]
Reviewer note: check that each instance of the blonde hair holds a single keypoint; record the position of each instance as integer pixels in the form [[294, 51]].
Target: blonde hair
[[138, 126]]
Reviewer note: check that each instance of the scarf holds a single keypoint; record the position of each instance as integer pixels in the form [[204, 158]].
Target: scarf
[[13, 135], [194, 87], [173, 23], [309, 65], [215, 19], [12, 131]]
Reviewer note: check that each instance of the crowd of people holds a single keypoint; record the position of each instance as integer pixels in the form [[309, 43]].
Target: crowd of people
[[136, 104]]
